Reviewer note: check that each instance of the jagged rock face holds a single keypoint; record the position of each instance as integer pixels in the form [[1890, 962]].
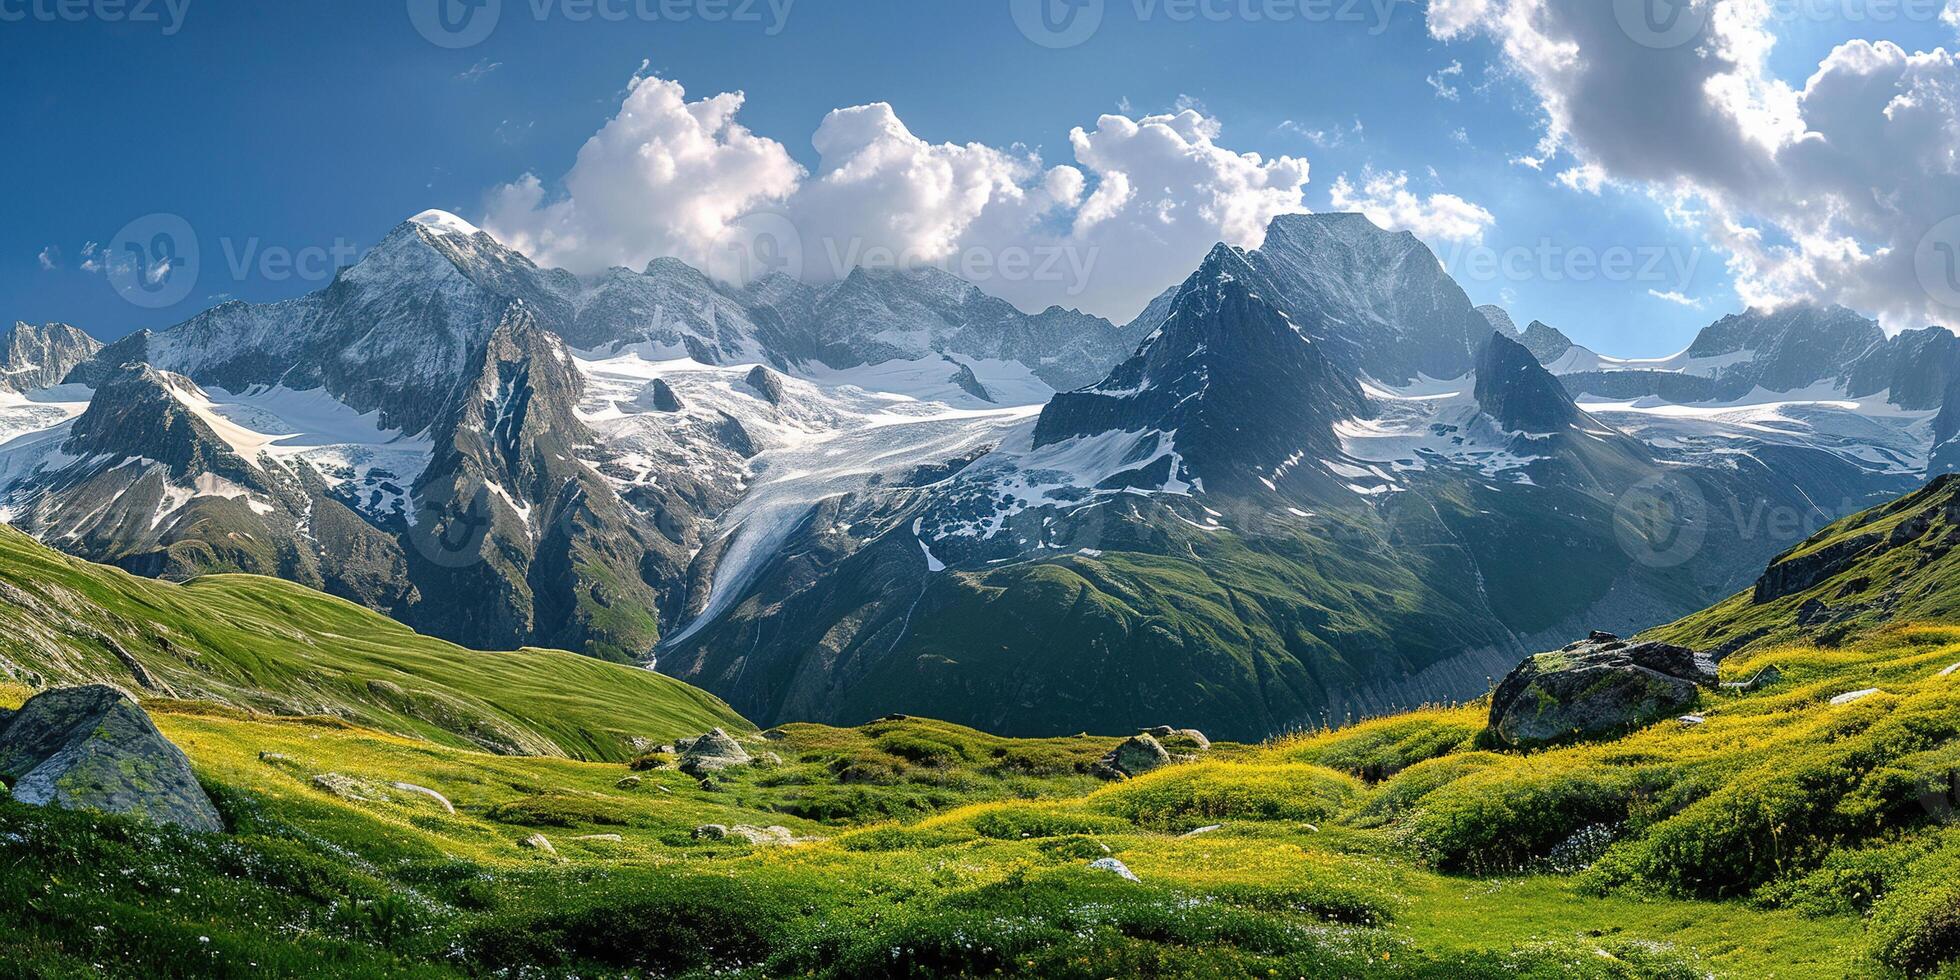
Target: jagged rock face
[[1380, 299], [514, 536], [1598, 687], [136, 413], [1794, 347], [1517, 391], [1230, 380], [1917, 368], [1544, 341], [93, 748], [34, 357]]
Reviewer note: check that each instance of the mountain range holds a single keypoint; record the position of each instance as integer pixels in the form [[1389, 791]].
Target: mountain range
[[1310, 482]]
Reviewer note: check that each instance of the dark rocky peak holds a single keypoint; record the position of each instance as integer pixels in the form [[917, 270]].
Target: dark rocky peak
[[1517, 391], [34, 357], [142, 413], [1237, 384], [1545, 342], [514, 412]]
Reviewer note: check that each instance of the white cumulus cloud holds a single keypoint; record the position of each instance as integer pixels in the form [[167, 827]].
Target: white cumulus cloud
[[1137, 207], [1387, 201], [663, 177], [1830, 190]]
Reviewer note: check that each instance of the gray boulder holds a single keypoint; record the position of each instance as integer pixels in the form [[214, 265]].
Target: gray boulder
[[1598, 687], [93, 748], [711, 752], [1137, 755]]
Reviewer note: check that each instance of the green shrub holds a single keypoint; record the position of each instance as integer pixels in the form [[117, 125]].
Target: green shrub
[[1766, 823], [1402, 793], [558, 810], [1379, 749], [1014, 821], [1207, 792], [663, 923], [1508, 818]]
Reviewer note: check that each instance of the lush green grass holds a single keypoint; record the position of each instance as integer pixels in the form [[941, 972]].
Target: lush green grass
[[1784, 837], [972, 857], [269, 646]]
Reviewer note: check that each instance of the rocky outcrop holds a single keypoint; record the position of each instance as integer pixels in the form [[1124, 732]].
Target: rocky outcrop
[[767, 384], [1137, 755], [1598, 687], [714, 751], [93, 748]]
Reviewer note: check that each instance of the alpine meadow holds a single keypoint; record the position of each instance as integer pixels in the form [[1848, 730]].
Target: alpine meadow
[[1046, 489]]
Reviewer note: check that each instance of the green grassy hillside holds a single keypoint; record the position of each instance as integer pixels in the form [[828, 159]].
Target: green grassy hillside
[[1800, 827], [273, 647]]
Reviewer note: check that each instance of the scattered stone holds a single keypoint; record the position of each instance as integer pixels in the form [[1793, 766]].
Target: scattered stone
[[441, 800], [1949, 671], [1763, 678], [349, 788], [602, 838], [1203, 830], [710, 831], [896, 717], [763, 835], [94, 748], [1161, 731], [1114, 867], [775, 734], [1851, 696], [1598, 687], [539, 843], [628, 782], [663, 789], [1204, 744], [1691, 720], [711, 752], [1137, 755], [275, 758]]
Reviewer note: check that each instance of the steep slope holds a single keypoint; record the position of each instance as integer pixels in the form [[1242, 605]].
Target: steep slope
[[32, 358], [264, 645], [512, 535], [1894, 563]]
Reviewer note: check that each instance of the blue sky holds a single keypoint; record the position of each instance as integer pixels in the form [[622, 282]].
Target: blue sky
[[275, 128]]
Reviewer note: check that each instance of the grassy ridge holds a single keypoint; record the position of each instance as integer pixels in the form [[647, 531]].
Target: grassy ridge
[[270, 646]]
